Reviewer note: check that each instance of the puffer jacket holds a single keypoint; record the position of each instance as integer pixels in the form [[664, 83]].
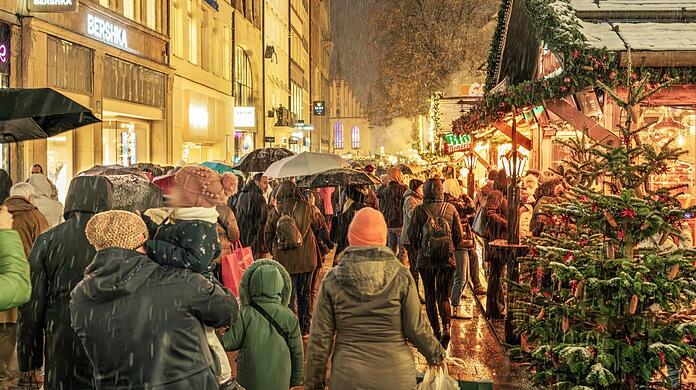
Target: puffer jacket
[[15, 287], [303, 259], [412, 200], [434, 203], [43, 199], [366, 311], [58, 261], [141, 324], [262, 350]]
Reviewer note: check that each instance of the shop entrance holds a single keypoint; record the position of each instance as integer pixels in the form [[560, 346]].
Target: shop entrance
[[125, 141]]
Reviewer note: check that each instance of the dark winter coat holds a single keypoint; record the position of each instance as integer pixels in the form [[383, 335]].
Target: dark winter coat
[[58, 261], [466, 210], [227, 230], [366, 311], [340, 224], [434, 203], [142, 324], [266, 360], [190, 244], [251, 211], [496, 213], [302, 259], [371, 200], [391, 204], [5, 185], [412, 199]]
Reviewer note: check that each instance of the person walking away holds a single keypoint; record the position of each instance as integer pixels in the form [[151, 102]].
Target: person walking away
[[485, 190], [496, 214], [412, 199], [43, 199], [141, 323], [266, 334], [392, 205], [5, 185], [251, 210], [368, 351], [37, 169], [436, 232], [14, 290], [58, 260], [186, 236], [465, 208], [227, 229], [355, 200], [326, 195], [290, 231]]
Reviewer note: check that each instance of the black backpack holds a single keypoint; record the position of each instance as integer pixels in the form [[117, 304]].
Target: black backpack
[[436, 241], [288, 234]]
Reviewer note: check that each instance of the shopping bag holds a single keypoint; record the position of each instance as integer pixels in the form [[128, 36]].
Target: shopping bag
[[437, 378], [480, 225], [233, 266]]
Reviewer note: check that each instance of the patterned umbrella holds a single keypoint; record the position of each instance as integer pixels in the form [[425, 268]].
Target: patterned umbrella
[[108, 170], [338, 177], [260, 159], [305, 164]]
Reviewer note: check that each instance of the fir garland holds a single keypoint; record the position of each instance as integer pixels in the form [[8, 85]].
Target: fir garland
[[559, 30], [496, 44]]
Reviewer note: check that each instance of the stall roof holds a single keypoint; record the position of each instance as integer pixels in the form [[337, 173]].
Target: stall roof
[[598, 8], [618, 36]]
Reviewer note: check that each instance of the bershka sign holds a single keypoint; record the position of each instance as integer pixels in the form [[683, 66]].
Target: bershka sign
[[52, 5], [108, 32]]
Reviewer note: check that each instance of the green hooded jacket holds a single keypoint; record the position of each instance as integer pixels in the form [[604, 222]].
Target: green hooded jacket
[[15, 287], [265, 360]]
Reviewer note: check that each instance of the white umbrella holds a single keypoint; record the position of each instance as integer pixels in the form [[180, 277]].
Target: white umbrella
[[305, 164]]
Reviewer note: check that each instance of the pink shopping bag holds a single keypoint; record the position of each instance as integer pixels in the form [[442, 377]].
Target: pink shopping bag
[[234, 265]]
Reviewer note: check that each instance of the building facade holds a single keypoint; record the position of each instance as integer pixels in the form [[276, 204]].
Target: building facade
[[320, 48], [108, 55], [277, 121], [201, 62], [350, 128]]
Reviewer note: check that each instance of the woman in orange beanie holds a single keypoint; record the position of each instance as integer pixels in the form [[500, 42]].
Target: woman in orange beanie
[[369, 305]]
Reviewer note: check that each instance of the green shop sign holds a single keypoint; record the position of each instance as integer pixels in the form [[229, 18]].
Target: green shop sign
[[456, 143]]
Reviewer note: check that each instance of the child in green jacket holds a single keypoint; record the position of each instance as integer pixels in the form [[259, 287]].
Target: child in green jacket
[[266, 333]]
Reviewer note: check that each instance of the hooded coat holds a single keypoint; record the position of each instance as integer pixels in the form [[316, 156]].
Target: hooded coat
[[366, 311], [58, 261], [434, 204], [412, 199], [391, 204], [261, 349], [141, 324], [496, 213], [305, 258], [251, 211], [15, 287], [43, 199], [355, 200]]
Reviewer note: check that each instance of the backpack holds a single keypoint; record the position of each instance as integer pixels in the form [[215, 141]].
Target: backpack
[[288, 234], [436, 241]]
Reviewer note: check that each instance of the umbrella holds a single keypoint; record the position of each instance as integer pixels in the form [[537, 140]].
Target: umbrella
[[165, 182], [108, 170], [221, 167], [27, 114], [305, 164], [338, 177], [133, 193], [154, 169], [410, 169], [260, 159]]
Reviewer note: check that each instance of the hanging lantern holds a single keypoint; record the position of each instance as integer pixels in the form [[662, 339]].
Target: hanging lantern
[[508, 163], [470, 161]]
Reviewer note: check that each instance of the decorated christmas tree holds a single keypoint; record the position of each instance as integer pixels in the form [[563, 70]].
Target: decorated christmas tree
[[612, 279]]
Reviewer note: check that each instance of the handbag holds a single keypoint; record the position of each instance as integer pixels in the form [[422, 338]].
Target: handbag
[[233, 266], [480, 225], [437, 378]]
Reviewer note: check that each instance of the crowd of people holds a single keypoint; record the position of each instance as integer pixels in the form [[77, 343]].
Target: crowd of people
[[133, 299]]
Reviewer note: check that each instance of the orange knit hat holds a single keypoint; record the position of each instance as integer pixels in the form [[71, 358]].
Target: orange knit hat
[[368, 228]]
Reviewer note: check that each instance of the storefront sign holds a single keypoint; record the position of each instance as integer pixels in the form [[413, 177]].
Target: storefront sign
[[49, 6], [244, 117], [320, 108], [456, 143], [269, 140], [108, 32], [5, 54], [292, 141]]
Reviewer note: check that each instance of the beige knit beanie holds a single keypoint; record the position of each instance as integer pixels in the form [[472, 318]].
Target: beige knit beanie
[[116, 229]]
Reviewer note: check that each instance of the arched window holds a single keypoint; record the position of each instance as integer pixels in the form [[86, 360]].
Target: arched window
[[338, 135], [355, 137], [243, 93]]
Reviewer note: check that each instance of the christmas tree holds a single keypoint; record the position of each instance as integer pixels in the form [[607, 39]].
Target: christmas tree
[[607, 301]]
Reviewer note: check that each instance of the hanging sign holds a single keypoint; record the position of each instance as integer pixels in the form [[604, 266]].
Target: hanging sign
[[5, 53], [244, 117], [49, 6], [107, 32], [320, 108], [456, 143]]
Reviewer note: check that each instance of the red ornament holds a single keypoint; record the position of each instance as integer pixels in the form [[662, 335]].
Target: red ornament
[[662, 358], [612, 75], [535, 291], [573, 286], [568, 257], [583, 198], [628, 213], [576, 53], [566, 80], [583, 242], [621, 235], [563, 88]]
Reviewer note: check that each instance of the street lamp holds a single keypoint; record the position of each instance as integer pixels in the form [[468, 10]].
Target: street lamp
[[470, 161], [510, 165]]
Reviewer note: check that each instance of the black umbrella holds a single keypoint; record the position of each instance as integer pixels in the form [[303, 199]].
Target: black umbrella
[[27, 114], [109, 170], [338, 177], [132, 192], [260, 159]]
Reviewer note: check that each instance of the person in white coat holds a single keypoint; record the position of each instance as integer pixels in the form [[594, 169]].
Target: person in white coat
[[50, 208]]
